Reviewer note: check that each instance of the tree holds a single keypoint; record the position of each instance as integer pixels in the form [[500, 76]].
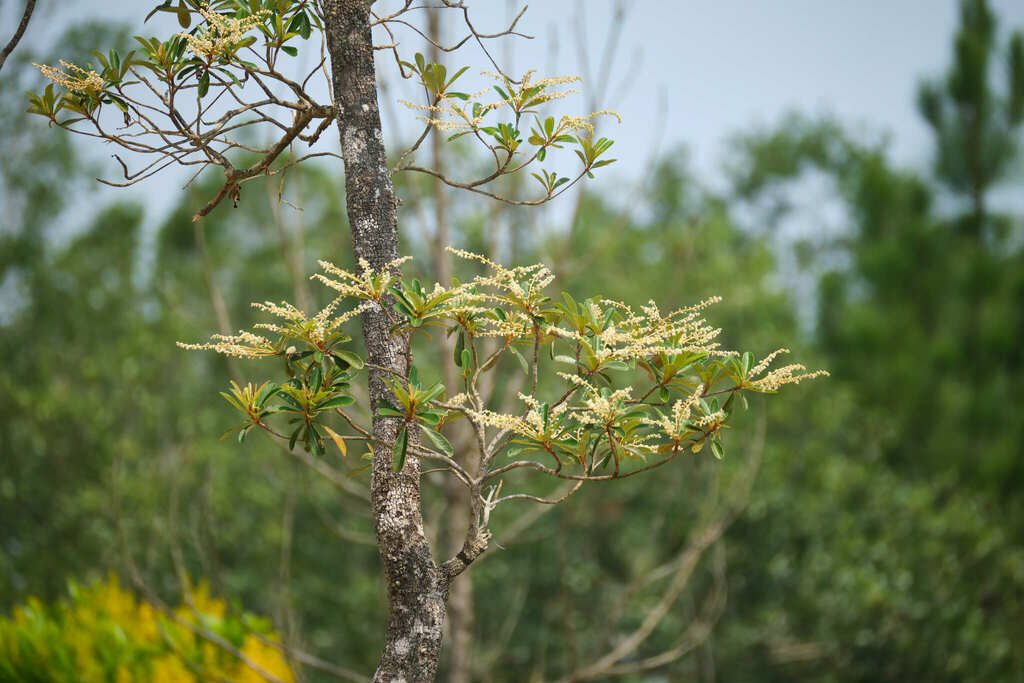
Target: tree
[[953, 275], [899, 560], [975, 125], [670, 360]]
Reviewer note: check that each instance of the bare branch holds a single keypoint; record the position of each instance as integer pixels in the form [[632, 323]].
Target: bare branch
[[18, 33], [559, 497]]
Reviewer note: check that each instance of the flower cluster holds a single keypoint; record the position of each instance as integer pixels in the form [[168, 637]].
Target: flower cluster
[[789, 374], [582, 124], [520, 96], [75, 78], [538, 422], [222, 33], [369, 284], [674, 426], [450, 115], [318, 331], [598, 422], [518, 291], [645, 334], [241, 345]]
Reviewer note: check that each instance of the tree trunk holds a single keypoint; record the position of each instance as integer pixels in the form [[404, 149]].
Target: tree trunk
[[417, 589]]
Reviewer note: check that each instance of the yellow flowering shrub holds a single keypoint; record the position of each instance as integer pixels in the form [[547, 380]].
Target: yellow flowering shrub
[[102, 633]]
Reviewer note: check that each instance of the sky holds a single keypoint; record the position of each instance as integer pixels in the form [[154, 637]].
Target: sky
[[719, 67]]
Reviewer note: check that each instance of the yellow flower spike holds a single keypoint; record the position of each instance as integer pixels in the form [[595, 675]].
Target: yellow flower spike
[[75, 78]]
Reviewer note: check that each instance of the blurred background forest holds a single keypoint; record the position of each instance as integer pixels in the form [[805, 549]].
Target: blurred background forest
[[883, 538]]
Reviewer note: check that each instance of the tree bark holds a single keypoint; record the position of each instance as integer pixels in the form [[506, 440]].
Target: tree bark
[[417, 589]]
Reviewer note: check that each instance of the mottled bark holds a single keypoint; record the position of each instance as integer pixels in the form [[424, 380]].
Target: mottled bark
[[417, 589]]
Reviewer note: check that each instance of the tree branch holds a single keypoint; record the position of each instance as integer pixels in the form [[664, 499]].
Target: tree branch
[[18, 33]]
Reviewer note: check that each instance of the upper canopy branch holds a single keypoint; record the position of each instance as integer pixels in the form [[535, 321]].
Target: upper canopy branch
[[200, 98]]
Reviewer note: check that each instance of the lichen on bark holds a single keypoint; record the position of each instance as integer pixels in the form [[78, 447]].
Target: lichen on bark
[[417, 589]]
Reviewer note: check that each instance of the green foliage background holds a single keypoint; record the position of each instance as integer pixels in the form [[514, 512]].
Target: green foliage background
[[883, 539]]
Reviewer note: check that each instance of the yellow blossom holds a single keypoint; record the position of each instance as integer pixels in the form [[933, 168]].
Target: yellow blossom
[[369, 284], [222, 32], [241, 345], [75, 78], [789, 374]]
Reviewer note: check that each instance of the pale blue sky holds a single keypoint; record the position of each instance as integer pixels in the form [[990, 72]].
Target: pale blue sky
[[723, 65]]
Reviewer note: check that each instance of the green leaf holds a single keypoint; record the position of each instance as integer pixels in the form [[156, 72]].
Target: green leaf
[[119, 103], [521, 359], [716, 448], [300, 24], [516, 451], [429, 417], [400, 448], [287, 398], [349, 358], [460, 346], [432, 392], [234, 402], [384, 403], [337, 402], [165, 7], [439, 440], [315, 444], [747, 361], [728, 403], [234, 429], [457, 74], [268, 390], [204, 83], [288, 49]]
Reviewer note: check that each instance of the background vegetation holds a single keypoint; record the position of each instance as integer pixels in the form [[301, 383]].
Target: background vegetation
[[882, 540]]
